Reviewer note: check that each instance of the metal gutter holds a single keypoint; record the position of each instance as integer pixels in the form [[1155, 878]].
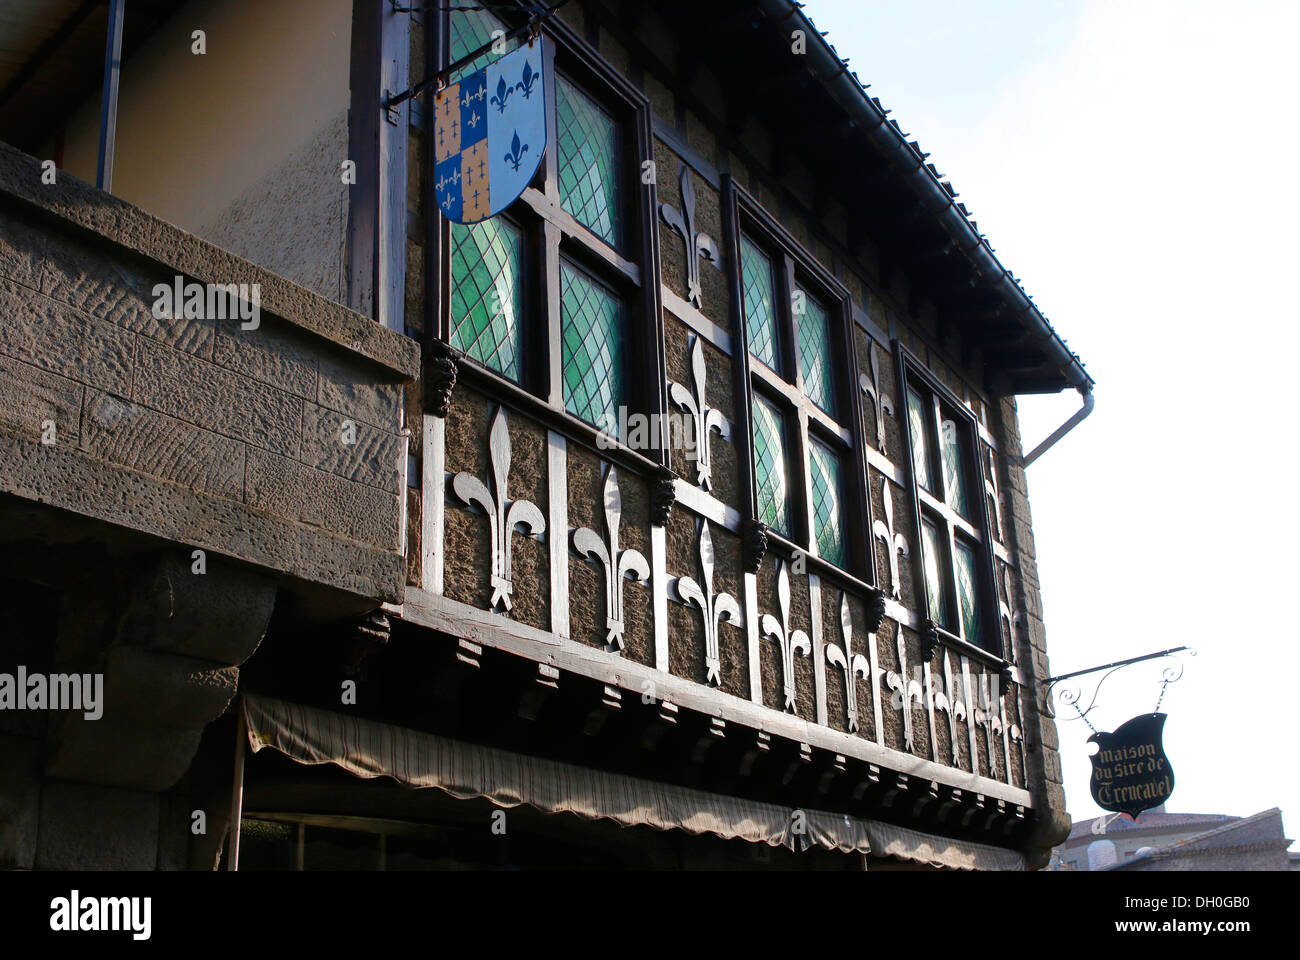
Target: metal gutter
[[930, 191], [1079, 416]]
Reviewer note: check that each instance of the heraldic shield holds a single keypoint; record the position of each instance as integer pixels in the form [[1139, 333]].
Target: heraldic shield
[[489, 135], [1130, 772]]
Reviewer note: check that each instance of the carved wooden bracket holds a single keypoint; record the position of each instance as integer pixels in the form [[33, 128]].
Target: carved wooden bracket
[[716, 608], [704, 419], [663, 494], [505, 516], [790, 642], [439, 378], [698, 244], [755, 545], [619, 564]]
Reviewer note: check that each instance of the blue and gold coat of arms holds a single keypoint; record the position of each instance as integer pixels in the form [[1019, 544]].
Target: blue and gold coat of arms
[[489, 136]]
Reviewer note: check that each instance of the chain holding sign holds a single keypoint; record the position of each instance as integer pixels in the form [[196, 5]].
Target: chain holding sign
[[1130, 771]]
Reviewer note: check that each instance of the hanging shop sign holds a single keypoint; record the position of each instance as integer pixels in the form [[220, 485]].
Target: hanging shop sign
[[1130, 772], [489, 135]]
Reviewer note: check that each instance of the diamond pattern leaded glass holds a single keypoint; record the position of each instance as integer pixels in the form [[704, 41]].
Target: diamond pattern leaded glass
[[954, 477], [587, 146], [815, 354], [486, 294], [917, 422], [934, 585], [758, 287], [769, 466], [591, 318], [827, 526], [470, 29], [968, 594]]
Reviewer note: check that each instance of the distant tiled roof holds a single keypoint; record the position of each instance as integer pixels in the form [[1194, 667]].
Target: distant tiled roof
[[1151, 820], [1255, 829]]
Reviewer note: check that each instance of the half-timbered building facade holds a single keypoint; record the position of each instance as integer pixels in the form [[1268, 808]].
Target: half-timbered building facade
[[675, 516]]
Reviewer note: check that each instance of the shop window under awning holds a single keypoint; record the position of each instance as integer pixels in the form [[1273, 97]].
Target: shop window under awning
[[368, 749]]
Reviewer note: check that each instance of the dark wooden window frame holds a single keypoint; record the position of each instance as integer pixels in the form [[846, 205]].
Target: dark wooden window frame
[[804, 420], [911, 370], [550, 233]]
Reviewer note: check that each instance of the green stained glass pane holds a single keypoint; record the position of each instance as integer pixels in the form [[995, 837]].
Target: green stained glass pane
[[769, 466], [815, 353], [592, 350], [954, 475], [587, 146], [758, 287], [827, 526], [968, 594], [470, 29], [917, 421], [933, 556], [486, 293]]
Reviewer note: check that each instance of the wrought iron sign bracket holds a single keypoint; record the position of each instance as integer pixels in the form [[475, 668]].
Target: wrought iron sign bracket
[[1070, 696]]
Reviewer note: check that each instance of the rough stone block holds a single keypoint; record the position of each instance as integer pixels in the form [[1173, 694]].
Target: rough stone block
[[163, 446], [121, 753], [217, 399], [54, 337], [29, 397], [176, 691], [354, 390], [20, 793], [99, 281], [291, 489], [21, 250], [374, 457], [271, 354], [85, 827]]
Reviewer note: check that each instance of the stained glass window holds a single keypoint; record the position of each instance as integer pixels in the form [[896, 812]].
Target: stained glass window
[[486, 294], [968, 594], [827, 527], [758, 287], [770, 466], [951, 449], [587, 146], [933, 556], [917, 420], [470, 29], [591, 318], [815, 352]]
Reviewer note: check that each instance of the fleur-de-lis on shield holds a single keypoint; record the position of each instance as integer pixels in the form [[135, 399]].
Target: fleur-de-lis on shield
[[517, 151], [853, 664], [504, 516], [502, 95], [716, 608], [619, 564], [791, 642], [528, 80]]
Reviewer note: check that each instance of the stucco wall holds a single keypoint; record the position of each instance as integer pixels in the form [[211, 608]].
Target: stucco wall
[[243, 144]]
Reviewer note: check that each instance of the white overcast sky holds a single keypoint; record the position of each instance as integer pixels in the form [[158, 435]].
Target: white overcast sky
[[1135, 164]]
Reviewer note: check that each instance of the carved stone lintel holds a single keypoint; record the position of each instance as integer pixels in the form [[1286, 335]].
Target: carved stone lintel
[[663, 494], [439, 377], [755, 545]]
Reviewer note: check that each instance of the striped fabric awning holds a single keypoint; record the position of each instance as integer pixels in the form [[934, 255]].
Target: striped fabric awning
[[367, 749]]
